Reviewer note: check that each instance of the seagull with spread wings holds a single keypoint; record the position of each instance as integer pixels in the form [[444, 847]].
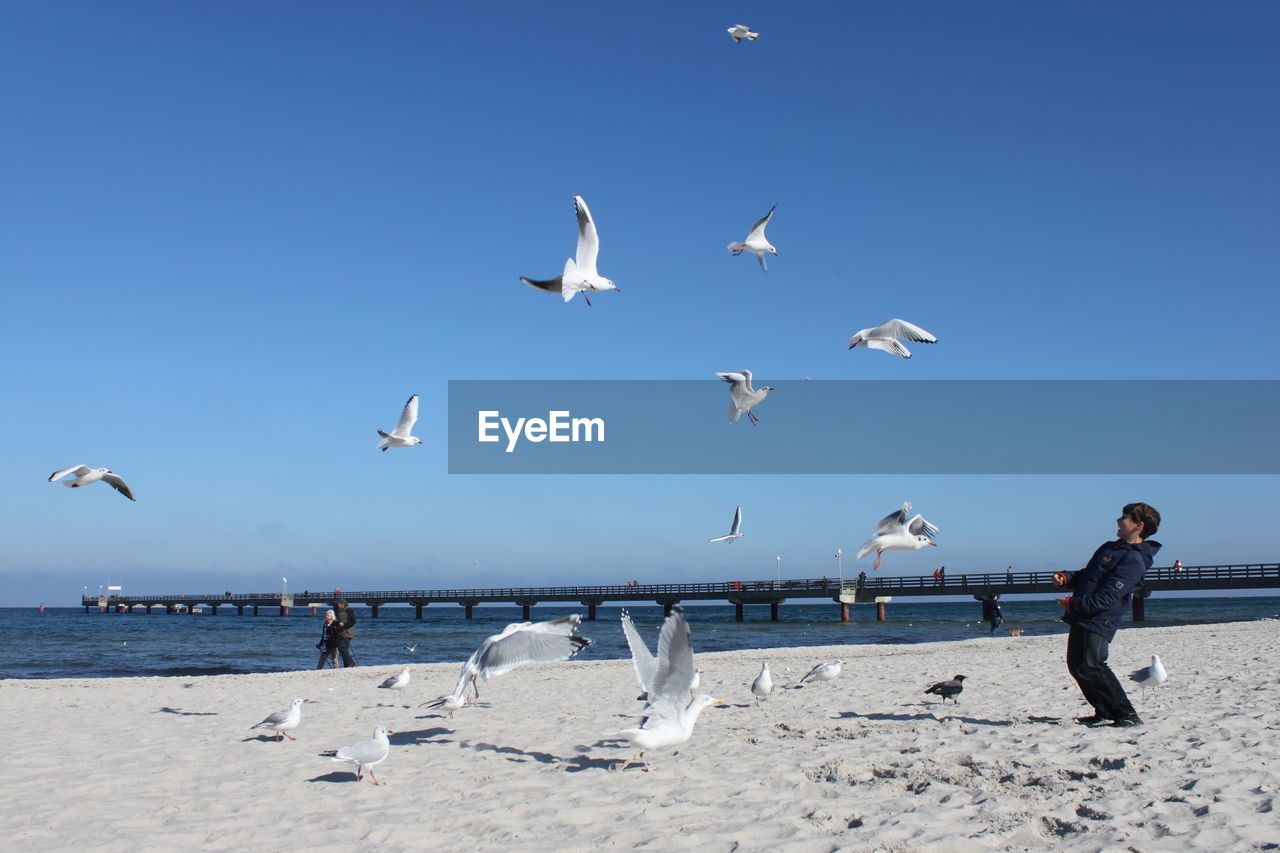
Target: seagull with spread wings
[[579, 271], [897, 532], [400, 436], [735, 532], [83, 475], [885, 337], [743, 395], [756, 242]]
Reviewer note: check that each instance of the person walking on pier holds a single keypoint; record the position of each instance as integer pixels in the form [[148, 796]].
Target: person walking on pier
[[1100, 592], [345, 621], [328, 644]]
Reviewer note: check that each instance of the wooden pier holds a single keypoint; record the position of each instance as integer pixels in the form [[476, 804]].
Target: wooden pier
[[873, 589]]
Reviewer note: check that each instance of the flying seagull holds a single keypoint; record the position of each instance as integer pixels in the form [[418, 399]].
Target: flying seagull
[[366, 754], [84, 476], [579, 271], [744, 396], [400, 437], [738, 32], [670, 712], [756, 242], [399, 681], [284, 721], [763, 685], [885, 337], [950, 688], [641, 658], [735, 532], [518, 644], [896, 532]]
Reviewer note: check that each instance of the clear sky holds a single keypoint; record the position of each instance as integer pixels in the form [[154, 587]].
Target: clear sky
[[236, 236]]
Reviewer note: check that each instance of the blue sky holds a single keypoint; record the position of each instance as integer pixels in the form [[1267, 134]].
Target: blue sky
[[237, 236]]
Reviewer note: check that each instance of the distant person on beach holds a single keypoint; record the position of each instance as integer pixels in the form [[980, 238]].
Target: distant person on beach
[[1100, 593], [991, 612], [328, 644], [346, 630]]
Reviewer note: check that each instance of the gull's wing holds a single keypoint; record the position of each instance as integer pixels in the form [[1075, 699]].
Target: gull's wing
[[117, 482], [274, 718], [408, 417], [737, 522], [811, 673], [544, 642], [737, 378], [365, 752], [894, 521], [918, 526], [764, 265], [757, 230], [902, 329], [643, 659], [78, 470], [553, 285], [891, 345], [588, 239], [675, 672]]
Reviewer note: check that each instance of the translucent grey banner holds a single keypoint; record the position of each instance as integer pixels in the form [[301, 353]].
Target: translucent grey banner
[[866, 427]]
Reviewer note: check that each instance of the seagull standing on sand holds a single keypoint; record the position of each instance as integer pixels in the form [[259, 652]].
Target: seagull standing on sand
[[743, 396], [399, 681], [738, 32], [735, 532], [950, 688], [366, 754], [896, 532], [85, 476], [756, 242], [285, 721], [822, 672], [670, 712], [579, 271], [1150, 676], [885, 337], [400, 437], [518, 644], [763, 685]]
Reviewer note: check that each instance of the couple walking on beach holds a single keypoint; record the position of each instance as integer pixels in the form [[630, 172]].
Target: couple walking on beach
[[335, 636]]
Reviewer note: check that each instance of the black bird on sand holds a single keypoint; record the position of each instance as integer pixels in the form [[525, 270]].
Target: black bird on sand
[[950, 688]]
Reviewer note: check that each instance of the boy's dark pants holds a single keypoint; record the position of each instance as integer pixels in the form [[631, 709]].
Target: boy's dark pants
[[1087, 663]]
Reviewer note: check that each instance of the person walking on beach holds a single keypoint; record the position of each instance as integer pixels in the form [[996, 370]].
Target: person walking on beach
[[991, 612], [345, 629], [1100, 593], [328, 644]]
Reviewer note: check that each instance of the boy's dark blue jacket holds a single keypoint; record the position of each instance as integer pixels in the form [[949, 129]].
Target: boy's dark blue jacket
[[1102, 590]]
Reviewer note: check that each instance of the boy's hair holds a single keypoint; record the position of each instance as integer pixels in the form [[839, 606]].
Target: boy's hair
[[342, 602], [1146, 514]]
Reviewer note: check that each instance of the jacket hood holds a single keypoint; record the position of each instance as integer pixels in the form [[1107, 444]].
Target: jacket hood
[[1147, 548]]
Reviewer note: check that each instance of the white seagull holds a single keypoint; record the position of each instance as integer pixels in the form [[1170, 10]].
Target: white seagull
[[756, 242], [738, 32], [85, 476], [763, 685], [641, 658], [400, 437], [580, 271], [885, 337], [399, 681], [284, 721], [896, 532], [518, 644], [1150, 676], [735, 532], [366, 754], [822, 672], [744, 396], [671, 713]]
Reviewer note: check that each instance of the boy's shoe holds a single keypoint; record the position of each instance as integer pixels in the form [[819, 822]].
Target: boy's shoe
[[1127, 722], [1093, 720]]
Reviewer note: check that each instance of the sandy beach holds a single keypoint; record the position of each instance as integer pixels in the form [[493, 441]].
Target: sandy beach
[[865, 762]]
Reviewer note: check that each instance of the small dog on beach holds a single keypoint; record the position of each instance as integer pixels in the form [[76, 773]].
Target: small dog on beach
[[1015, 632]]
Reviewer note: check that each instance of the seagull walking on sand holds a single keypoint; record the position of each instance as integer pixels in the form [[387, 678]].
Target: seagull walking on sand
[[400, 436], [763, 685], [519, 643], [284, 721], [738, 32], [896, 532], [885, 337], [671, 714], [399, 681], [82, 475], [1150, 676], [743, 396], [735, 531], [756, 242], [822, 672], [579, 271], [366, 754], [950, 688]]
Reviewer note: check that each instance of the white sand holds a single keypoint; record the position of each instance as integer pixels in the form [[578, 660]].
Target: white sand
[[866, 762]]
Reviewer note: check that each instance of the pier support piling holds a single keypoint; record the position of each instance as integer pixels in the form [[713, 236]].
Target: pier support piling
[[284, 610], [737, 611], [1139, 608], [213, 610], [374, 608], [417, 611], [591, 613], [255, 610], [469, 610], [525, 610], [239, 609], [773, 611], [844, 611]]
